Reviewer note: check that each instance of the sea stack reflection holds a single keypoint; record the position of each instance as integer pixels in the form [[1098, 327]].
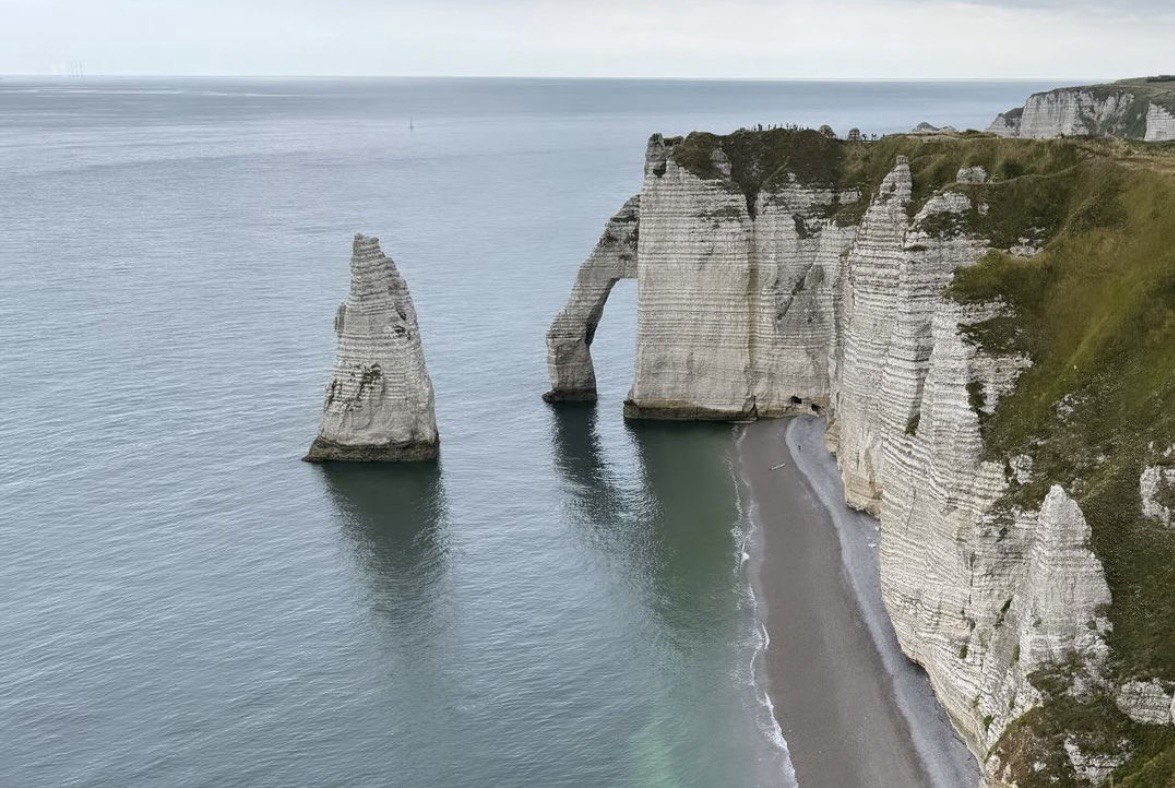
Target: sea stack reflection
[[379, 403]]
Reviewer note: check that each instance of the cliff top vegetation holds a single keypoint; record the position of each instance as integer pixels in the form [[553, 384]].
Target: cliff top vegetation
[[1094, 308], [1158, 89]]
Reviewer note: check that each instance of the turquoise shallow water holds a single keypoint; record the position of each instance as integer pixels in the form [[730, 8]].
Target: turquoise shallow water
[[559, 602]]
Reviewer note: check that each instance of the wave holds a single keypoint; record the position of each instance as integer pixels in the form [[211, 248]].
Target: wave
[[746, 535]]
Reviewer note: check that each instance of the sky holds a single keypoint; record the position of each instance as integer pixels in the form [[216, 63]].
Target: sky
[[758, 39]]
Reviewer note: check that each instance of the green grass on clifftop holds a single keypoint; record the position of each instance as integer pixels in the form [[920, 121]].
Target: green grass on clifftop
[[1095, 310], [764, 160], [758, 158], [1158, 89]]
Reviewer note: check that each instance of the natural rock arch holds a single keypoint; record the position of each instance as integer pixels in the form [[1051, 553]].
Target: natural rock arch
[[569, 340]]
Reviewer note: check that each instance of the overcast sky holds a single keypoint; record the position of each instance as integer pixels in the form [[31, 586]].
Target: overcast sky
[[593, 38]]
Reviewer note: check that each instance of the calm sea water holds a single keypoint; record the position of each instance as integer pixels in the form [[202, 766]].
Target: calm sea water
[[560, 601]]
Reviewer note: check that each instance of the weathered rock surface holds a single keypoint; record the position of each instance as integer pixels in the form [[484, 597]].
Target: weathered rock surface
[[1160, 124], [379, 402], [930, 128], [1134, 109], [1156, 490], [762, 304], [1065, 592], [1007, 124], [1147, 702], [716, 285], [974, 174], [1093, 768]]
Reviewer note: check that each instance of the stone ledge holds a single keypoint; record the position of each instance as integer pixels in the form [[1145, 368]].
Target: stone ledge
[[583, 395], [328, 451]]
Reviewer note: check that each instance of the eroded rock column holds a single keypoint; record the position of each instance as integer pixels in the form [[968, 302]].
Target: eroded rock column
[[379, 403]]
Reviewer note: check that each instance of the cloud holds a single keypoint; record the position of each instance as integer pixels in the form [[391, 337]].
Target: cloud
[[1139, 6], [1092, 10], [684, 38]]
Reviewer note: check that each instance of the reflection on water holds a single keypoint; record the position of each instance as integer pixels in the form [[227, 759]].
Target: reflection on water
[[690, 507], [668, 524], [703, 594], [596, 493], [670, 521], [394, 517]]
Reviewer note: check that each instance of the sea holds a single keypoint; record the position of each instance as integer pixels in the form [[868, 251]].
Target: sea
[[561, 600]]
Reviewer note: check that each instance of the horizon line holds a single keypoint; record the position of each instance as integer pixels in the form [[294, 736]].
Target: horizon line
[[559, 77]]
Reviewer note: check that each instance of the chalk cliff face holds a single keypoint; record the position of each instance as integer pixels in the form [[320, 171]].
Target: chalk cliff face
[[786, 299], [379, 402], [1160, 124], [1135, 109]]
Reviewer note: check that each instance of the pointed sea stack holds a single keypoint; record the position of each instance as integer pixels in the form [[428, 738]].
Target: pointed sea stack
[[379, 403]]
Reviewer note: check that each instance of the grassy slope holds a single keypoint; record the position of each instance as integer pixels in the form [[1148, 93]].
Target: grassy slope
[[1096, 312], [1161, 92]]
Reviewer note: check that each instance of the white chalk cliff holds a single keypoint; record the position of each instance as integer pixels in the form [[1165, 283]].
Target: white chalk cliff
[[379, 402], [766, 304], [1135, 109]]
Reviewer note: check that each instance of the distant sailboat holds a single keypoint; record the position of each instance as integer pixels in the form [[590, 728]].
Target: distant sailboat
[[411, 125]]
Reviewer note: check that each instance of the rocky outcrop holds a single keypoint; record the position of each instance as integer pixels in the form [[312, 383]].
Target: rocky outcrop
[[931, 129], [1147, 702], [1160, 124], [974, 174], [1065, 593], [379, 402], [1156, 490], [802, 295], [1135, 109], [569, 340], [1007, 124], [1091, 768]]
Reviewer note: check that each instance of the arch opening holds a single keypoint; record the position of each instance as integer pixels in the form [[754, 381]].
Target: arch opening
[[569, 340]]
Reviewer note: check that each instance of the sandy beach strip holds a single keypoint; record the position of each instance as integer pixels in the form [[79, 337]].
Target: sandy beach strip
[[853, 709]]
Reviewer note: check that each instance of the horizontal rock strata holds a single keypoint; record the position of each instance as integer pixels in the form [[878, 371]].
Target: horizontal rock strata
[[1148, 702], [1160, 124], [767, 302], [1134, 109], [379, 402]]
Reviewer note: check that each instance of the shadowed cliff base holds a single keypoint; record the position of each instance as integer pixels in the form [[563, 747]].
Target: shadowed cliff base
[[584, 396], [323, 450], [684, 411], [854, 710]]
